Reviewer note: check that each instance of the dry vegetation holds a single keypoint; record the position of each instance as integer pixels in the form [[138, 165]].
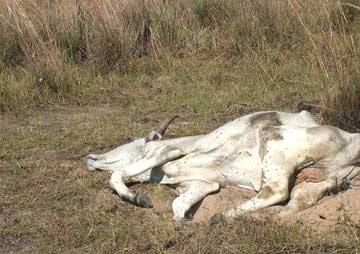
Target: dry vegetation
[[56, 50], [81, 75]]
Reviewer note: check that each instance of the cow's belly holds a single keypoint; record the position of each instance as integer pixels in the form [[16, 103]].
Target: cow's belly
[[244, 171], [242, 168]]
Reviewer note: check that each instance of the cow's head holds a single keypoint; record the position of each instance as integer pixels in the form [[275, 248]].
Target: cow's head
[[129, 152]]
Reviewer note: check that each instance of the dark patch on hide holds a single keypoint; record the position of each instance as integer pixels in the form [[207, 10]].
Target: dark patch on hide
[[265, 119], [257, 121], [302, 202], [307, 162], [266, 193], [130, 139], [267, 134], [327, 142], [156, 175]]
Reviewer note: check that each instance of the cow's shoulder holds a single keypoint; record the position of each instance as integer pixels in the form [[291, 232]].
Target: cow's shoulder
[[267, 134], [326, 133], [263, 119], [275, 118]]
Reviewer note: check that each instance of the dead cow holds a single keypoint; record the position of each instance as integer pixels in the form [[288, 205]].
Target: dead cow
[[263, 151]]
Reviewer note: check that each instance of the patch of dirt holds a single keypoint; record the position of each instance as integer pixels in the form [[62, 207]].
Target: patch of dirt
[[226, 199], [330, 212]]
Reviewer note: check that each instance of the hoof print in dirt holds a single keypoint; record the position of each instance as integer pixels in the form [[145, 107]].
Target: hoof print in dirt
[[181, 223], [216, 219], [185, 221], [143, 200]]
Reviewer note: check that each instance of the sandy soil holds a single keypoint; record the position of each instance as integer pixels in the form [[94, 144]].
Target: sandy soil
[[326, 215]]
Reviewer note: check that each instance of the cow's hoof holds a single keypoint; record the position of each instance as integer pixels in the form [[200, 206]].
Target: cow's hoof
[[89, 165], [180, 222], [185, 221], [217, 219], [143, 200]]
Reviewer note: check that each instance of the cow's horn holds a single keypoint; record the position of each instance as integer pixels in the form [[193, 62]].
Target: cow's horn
[[164, 124]]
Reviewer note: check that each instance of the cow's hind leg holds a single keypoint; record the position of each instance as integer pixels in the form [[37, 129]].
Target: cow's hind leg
[[306, 194], [272, 193], [191, 192], [275, 189]]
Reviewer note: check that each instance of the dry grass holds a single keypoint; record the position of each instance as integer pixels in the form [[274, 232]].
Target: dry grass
[[52, 50], [49, 203], [336, 49]]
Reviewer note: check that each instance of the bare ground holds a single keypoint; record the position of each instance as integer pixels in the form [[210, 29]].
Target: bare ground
[[49, 203], [324, 217]]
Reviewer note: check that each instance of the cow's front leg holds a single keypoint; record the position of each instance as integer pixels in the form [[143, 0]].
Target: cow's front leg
[[117, 183], [191, 192], [154, 157], [305, 195]]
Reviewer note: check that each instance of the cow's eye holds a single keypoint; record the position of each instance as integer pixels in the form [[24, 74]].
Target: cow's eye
[[130, 139]]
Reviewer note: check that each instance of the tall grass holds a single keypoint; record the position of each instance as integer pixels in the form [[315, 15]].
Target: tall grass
[[45, 43], [337, 52], [109, 33]]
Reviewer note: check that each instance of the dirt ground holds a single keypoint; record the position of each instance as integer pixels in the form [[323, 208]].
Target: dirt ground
[[325, 216]]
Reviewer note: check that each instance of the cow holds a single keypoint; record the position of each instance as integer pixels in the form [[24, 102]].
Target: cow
[[264, 151]]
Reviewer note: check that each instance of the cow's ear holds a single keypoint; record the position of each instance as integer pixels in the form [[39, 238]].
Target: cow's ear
[[154, 136]]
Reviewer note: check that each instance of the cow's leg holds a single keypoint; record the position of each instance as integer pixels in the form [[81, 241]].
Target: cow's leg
[[108, 157], [275, 189], [158, 157], [272, 193], [117, 183], [92, 164], [191, 192], [306, 194], [102, 161]]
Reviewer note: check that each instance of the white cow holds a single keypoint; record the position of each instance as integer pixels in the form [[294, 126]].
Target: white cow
[[263, 151]]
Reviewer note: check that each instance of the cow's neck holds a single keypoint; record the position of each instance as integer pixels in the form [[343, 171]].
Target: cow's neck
[[186, 144]]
